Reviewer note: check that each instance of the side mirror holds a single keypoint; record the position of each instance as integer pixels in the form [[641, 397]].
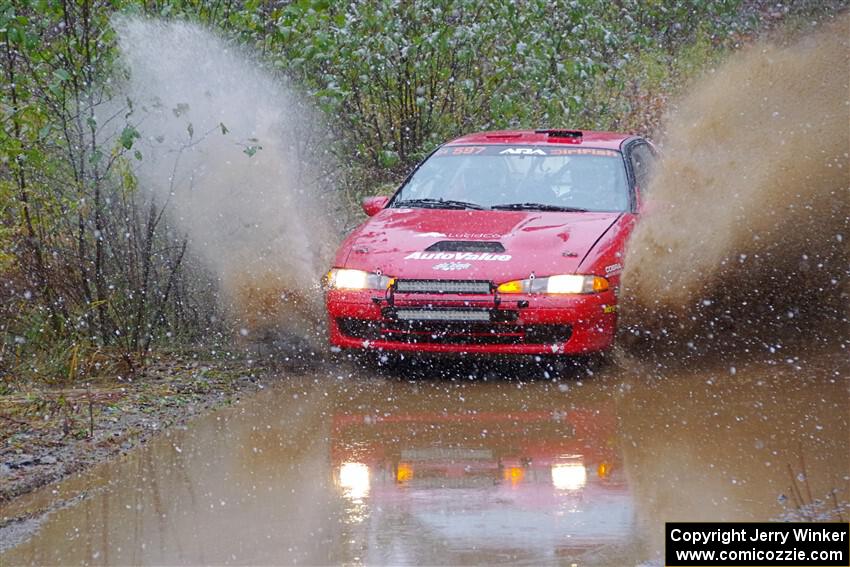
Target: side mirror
[[373, 205]]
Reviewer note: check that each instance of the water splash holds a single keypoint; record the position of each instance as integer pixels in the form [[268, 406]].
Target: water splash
[[237, 158], [745, 241]]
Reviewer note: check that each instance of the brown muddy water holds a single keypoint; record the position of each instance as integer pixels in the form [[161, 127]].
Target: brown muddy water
[[350, 467]]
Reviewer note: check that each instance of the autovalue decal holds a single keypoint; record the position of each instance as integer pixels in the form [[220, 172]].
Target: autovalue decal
[[458, 256]]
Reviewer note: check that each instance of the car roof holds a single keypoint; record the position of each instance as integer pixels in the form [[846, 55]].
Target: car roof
[[587, 138]]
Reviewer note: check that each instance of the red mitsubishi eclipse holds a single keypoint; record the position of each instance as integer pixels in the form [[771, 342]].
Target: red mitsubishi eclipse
[[499, 242]]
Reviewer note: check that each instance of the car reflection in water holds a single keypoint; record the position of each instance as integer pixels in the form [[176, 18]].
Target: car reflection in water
[[524, 486]]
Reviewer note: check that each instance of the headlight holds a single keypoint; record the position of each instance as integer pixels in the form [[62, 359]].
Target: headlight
[[341, 278], [567, 283]]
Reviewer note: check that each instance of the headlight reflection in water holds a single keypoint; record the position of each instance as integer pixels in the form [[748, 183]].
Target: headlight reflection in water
[[353, 479], [571, 475]]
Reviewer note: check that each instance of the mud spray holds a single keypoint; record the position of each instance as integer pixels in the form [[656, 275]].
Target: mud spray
[[235, 158], [745, 243]]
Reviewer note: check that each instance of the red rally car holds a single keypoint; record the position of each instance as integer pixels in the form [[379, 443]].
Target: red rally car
[[499, 242]]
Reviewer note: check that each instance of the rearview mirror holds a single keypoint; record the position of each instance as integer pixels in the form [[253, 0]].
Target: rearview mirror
[[373, 205]]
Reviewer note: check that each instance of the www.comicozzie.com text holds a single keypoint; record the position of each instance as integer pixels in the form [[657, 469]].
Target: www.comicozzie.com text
[[757, 534]]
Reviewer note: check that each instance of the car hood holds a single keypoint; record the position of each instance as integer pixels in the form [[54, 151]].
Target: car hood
[[397, 242]]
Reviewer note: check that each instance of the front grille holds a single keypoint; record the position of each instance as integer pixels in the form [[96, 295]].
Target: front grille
[[454, 332], [443, 286], [442, 315]]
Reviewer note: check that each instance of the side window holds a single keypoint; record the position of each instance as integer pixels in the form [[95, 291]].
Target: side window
[[643, 163]]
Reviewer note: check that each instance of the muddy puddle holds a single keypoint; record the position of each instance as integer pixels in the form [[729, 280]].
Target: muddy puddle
[[338, 468]]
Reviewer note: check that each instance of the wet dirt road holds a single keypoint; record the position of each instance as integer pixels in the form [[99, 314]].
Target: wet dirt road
[[340, 466]]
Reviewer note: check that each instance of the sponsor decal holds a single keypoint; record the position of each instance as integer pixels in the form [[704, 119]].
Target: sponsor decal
[[582, 152], [522, 152], [613, 268], [452, 266], [458, 256], [459, 235], [460, 151], [499, 149], [467, 150], [473, 236], [609, 308]]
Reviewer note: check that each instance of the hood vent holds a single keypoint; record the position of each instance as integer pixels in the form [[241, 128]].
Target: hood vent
[[466, 246]]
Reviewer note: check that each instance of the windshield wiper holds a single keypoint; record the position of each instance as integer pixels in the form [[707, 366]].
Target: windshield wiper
[[438, 204], [536, 207]]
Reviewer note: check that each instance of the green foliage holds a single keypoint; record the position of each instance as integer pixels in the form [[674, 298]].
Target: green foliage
[[7, 231], [398, 78], [395, 79], [77, 260], [251, 150], [128, 135]]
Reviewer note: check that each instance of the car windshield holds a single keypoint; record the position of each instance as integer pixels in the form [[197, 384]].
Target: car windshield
[[519, 178]]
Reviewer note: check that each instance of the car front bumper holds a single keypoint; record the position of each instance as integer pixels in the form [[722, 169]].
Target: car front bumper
[[513, 324]]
